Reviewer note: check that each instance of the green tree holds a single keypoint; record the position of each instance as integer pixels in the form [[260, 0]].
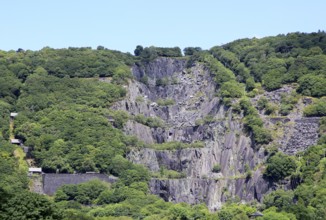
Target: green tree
[[279, 166], [189, 51], [139, 49], [26, 205]]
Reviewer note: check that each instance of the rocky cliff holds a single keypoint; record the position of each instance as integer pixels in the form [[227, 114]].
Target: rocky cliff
[[197, 114]]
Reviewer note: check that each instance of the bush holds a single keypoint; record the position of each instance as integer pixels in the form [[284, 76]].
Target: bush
[[285, 109], [162, 81], [170, 174], [232, 89], [261, 135], [152, 122], [262, 103], [270, 109], [249, 174], [247, 107], [165, 102], [317, 109], [144, 79], [216, 168], [288, 102], [252, 121]]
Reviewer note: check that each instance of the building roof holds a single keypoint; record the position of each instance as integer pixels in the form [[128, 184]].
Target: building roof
[[13, 114], [15, 141], [35, 169]]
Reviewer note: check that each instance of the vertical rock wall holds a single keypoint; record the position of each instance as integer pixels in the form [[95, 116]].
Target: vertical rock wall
[[194, 94]]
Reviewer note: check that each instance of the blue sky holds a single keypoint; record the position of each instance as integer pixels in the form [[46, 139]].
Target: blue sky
[[123, 24]]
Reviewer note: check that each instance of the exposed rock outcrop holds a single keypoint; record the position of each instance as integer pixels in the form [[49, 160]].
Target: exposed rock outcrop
[[211, 191], [199, 115]]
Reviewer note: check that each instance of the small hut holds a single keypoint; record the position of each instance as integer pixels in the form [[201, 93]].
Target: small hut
[[34, 170], [15, 141], [13, 115]]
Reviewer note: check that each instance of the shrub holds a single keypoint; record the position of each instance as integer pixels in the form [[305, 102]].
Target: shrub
[[170, 174], [285, 109], [162, 81], [270, 109], [254, 123], [247, 107], [232, 89], [140, 119], [144, 79], [154, 122], [208, 119], [165, 102], [236, 108], [288, 102], [248, 171], [261, 135], [251, 121], [317, 109], [139, 99], [216, 168], [262, 103]]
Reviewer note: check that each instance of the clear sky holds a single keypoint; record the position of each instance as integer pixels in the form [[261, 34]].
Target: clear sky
[[123, 24]]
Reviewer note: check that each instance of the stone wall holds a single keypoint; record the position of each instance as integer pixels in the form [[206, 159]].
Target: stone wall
[[51, 182], [303, 134]]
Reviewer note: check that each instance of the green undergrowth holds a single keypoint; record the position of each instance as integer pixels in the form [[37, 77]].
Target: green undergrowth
[[175, 145], [153, 122], [168, 174], [165, 102], [316, 109]]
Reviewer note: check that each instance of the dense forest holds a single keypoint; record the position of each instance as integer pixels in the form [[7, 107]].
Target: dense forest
[[64, 96]]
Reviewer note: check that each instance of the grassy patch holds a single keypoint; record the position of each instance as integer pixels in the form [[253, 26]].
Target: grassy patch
[[168, 174], [174, 145], [20, 155]]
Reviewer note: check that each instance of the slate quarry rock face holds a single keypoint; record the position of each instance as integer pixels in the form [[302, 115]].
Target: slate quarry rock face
[[193, 92]]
